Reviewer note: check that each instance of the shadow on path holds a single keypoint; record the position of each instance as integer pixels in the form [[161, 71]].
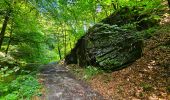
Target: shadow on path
[[61, 85]]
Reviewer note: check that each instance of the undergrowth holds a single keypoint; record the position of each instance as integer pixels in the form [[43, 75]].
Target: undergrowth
[[17, 83], [91, 71], [85, 73], [22, 88]]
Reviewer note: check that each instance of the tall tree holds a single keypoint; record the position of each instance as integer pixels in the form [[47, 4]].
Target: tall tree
[[4, 26]]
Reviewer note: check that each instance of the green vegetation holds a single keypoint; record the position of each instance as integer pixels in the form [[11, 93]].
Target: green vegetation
[[90, 72], [36, 32], [85, 73], [168, 89], [16, 83], [146, 86], [23, 87]]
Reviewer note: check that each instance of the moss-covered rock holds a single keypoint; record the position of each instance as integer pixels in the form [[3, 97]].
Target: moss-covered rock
[[107, 46], [113, 42]]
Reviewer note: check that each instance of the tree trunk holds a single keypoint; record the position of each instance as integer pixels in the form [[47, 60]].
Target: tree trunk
[[4, 27], [70, 43], [168, 3], [65, 43], [58, 47], [59, 52], [115, 4], [10, 39]]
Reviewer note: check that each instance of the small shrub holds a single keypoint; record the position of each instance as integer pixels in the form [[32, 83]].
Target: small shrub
[[4, 72], [141, 95], [12, 96], [146, 86], [90, 71], [168, 89]]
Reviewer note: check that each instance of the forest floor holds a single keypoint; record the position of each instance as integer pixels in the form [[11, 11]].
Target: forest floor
[[148, 78], [59, 84]]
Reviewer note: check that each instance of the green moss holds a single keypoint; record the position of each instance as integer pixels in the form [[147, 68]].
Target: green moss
[[168, 89], [146, 86]]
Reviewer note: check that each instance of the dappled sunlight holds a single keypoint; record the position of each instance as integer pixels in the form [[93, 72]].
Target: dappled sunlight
[[84, 49]]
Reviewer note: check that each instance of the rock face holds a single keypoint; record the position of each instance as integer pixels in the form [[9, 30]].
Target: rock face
[[107, 45]]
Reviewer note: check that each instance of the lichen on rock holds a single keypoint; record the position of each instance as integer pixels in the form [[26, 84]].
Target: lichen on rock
[[106, 46]]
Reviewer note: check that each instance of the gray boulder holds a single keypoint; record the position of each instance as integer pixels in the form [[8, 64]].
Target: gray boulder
[[106, 46]]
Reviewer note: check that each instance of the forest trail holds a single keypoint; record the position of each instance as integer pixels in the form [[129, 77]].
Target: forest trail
[[60, 84]]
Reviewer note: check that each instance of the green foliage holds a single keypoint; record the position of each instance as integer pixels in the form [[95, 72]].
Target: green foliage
[[7, 61], [22, 88], [145, 34], [5, 72], [85, 72], [168, 89], [14, 86], [141, 94], [146, 86], [91, 71], [41, 31], [35, 22], [150, 6]]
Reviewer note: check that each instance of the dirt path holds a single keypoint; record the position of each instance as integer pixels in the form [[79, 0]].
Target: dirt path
[[61, 85]]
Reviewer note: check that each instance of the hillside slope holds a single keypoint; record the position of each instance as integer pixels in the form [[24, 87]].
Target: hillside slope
[[148, 78]]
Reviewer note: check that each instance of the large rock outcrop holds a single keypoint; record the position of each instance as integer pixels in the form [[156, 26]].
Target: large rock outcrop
[[107, 45]]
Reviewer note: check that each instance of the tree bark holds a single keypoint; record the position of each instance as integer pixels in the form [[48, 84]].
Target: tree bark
[[168, 3], [65, 43], [70, 43], [59, 52], [10, 39], [2, 34]]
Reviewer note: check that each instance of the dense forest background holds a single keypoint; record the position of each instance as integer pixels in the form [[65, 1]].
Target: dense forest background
[[36, 32]]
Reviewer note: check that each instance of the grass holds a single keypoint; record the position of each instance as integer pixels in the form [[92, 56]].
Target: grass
[[146, 86], [91, 71], [85, 73]]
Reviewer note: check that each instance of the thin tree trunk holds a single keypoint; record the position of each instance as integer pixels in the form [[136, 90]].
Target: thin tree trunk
[[115, 4], [70, 43], [168, 3], [59, 52], [9, 42], [63, 40], [65, 43], [2, 34], [10, 39], [75, 39], [105, 10], [58, 45]]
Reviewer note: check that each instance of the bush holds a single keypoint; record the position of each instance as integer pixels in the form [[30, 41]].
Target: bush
[[146, 86], [23, 87], [168, 89], [91, 71]]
